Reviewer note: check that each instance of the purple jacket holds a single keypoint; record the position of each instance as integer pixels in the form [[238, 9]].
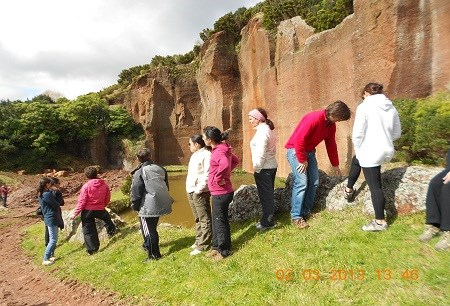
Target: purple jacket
[[221, 164]]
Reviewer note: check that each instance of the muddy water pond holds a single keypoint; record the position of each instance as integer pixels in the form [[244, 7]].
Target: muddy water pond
[[181, 211]]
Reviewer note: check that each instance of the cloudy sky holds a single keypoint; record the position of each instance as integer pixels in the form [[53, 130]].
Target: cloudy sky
[[79, 46]]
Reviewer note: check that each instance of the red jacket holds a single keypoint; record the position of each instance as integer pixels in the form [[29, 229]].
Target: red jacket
[[312, 129], [94, 195]]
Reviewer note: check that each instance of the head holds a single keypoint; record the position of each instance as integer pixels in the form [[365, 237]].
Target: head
[[144, 155], [196, 142], [55, 182], [91, 172], [213, 136], [259, 115], [372, 89], [338, 111], [44, 184]]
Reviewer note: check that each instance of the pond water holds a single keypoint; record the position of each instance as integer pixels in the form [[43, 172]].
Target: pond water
[[181, 211]]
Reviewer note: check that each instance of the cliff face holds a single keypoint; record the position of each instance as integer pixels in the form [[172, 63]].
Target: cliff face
[[402, 44]]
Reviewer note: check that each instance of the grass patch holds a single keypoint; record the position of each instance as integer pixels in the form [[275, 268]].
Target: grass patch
[[331, 263]]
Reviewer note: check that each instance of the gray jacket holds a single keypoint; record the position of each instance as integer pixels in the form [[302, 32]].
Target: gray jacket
[[150, 191]]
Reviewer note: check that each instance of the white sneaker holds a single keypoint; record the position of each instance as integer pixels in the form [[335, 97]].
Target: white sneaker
[[52, 259], [194, 246], [373, 226], [47, 263], [195, 252]]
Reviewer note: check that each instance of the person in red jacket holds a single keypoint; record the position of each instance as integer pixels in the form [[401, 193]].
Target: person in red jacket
[[314, 128], [4, 192], [94, 197]]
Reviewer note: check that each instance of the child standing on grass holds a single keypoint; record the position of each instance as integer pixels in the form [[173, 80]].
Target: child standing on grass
[[50, 207]]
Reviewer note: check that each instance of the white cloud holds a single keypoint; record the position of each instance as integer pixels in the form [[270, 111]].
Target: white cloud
[[77, 47]]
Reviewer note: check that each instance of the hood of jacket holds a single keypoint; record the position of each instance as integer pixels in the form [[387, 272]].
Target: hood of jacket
[[223, 147], [380, 101]]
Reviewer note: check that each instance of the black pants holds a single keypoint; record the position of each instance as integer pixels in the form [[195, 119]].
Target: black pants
[[151, 237], [438, 202], [221, 235], [90, 233], [373, 178], [265, 183]]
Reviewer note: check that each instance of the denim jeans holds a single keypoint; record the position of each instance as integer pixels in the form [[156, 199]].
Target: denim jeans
[[53, 239], [305, 185]]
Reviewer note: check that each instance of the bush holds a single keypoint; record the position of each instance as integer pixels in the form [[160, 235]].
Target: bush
[[425, 129], [126, 186]]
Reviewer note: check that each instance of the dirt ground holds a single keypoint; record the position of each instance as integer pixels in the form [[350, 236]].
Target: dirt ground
[[21, 281]]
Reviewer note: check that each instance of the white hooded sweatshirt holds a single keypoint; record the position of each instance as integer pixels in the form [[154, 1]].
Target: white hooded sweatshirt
[[376, 126]]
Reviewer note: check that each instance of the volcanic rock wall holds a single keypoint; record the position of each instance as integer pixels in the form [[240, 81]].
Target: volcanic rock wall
[[403, 44]]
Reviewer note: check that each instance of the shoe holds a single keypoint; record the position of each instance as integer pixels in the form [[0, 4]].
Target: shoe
[[194, 246], [52, 259], [110, 235], [444, 242], [262, 228], [212, 253], [429, 232], [373, 226], [151, 258], [91, 252], [47, 263], [349, 195], [195, 252], [300, 223], [217, 257]]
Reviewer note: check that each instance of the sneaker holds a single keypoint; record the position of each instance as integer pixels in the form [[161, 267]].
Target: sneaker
[[194, 246], [444, 242], [373, 226], [262, 228], [52, 259], [212, 253], [300, 223], [217, 257], [429, 232], [47, 263], [195, 252], [349, 195]]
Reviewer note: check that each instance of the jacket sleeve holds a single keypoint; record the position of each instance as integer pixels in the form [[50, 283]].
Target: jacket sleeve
[[397, 128], [259, 151], [202, 179], [82, 200], [50, 199], [137, 190], [107, 196], [330, 144], [359, 126]]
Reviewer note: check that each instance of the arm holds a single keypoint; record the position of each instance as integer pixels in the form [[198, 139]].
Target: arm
[[397, 128], [81, 203], [107, 196], [260, 149], [137, 190], [50, 199], [330, 144], [202, 180], [359, 126]]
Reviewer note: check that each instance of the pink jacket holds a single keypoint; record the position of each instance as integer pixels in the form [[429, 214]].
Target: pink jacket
[[94, 195], [221, 164]]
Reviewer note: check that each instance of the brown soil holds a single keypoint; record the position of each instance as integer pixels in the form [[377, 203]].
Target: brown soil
[[21, 281]]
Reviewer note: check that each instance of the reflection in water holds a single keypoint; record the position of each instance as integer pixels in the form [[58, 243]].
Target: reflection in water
[[181, 211]]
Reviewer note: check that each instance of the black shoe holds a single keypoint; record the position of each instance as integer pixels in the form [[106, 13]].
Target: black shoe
[[262, 228], [91, 252]]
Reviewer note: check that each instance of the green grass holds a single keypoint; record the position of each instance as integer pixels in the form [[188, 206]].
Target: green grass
[[284, 266]]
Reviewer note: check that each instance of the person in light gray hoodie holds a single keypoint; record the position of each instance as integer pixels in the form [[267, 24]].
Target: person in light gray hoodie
[[376, 126], [150, 198]]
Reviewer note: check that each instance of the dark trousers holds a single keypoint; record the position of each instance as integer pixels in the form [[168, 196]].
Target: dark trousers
[[265, 183], [90, 233], [373, 179], [151, 237], [221, 235], [438, 202], [4, 198]]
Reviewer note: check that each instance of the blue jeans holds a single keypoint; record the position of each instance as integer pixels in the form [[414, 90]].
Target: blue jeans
[[53, 239], [305, 185]]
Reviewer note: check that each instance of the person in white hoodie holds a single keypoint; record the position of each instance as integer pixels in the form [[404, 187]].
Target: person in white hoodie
[[376, 126], [263, 149], [198, 193]]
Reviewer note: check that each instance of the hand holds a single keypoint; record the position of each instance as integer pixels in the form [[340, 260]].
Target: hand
[[337, 170], [72, 216], [301, 168], [446, 178], [221, 182]]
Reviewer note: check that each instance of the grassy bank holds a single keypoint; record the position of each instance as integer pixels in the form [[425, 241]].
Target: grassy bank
[[331, 263]]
